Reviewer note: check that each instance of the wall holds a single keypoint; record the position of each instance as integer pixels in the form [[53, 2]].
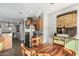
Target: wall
[[51, 26], [45, 28], [52, 23]]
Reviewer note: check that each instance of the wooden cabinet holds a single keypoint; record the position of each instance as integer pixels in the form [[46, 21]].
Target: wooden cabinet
[[41, 39], [2, 43], [8, 42], [59, 40], [37, 40], [5, 42], [39, 24]]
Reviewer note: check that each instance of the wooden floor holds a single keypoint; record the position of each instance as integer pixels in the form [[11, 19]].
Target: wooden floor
[[14, 51]]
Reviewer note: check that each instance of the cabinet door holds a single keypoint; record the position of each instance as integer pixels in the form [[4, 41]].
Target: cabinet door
[[1, 43], [77, 47], [8, 42], [39, 24], [70, 44]]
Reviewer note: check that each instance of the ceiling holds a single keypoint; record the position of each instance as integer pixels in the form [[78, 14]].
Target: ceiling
[[18, 11]]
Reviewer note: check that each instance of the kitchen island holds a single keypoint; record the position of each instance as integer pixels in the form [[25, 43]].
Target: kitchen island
[[5, 41]]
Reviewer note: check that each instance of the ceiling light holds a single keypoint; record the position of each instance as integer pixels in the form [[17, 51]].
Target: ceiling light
[[0, 8], [31, 11], [20, 12], [51, 3]]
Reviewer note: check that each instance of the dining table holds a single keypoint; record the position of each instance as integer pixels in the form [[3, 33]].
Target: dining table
[[48, 50]]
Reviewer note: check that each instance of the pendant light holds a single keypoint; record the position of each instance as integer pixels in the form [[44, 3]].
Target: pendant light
[[9, 26]]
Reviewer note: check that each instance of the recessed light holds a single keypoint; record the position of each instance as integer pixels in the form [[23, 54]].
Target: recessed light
[[0, 8], [51, 3], [31, 11], [20, 12]]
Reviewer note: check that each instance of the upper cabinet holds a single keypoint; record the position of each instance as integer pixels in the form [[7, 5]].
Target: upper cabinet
[[67, 20], [39, 24]]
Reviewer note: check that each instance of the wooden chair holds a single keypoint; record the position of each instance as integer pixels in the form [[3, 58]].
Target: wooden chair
[[69, 52], [46, 54], [60, 53], [40, 54], [26, 51], [35, 41]]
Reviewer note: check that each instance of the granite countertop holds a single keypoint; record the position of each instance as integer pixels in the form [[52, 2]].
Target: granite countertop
[[6, 32]]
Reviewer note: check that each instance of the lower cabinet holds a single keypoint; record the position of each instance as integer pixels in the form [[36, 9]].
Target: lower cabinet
[[5, 42], [8, 42], [2, 45]]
